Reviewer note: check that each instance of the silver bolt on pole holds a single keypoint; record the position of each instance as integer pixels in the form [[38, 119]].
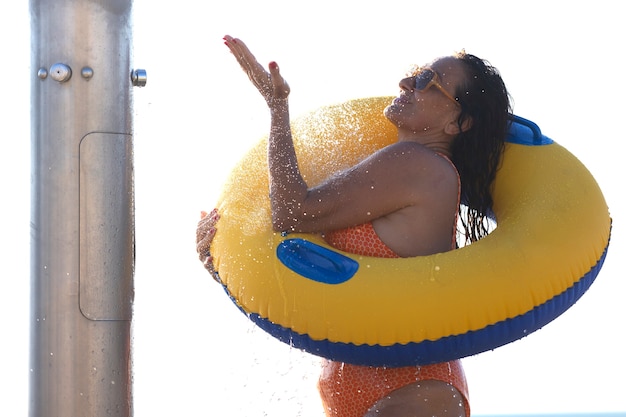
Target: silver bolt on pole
[[60, 72], [139, 77]]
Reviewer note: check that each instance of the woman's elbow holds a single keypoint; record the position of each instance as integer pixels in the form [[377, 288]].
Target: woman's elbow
[[286, 222], [281, 222], [277, 225]]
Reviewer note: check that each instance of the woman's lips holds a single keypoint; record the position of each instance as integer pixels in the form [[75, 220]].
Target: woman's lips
[[400, 101]]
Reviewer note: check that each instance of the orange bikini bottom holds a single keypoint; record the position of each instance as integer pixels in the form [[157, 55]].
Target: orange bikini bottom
[[351, 390]]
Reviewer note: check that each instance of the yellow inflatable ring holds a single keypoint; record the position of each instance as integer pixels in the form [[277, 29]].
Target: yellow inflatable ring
[[552, 237]]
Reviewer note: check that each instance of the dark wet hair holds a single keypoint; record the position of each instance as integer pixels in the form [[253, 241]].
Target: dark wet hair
[[477, 151]]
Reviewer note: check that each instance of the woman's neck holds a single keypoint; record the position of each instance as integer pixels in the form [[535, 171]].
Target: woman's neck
[[440, 145]]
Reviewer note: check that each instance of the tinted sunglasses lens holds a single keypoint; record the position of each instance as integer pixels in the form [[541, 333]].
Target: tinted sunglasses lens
[[423, 79]]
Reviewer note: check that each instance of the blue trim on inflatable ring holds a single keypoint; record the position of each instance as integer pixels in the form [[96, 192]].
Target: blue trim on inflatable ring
[[524, 132], [316, 262], [444, 349]]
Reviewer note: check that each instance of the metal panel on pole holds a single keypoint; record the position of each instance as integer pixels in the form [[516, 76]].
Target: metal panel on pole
[[82, 212]]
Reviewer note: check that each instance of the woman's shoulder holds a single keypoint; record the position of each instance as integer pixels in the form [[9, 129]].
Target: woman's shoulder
[[418, 156]]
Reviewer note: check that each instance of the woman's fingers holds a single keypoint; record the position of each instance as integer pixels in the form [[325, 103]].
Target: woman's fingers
[[270, 84], [202, 228], [279, 85], [205, 232], [248, 62], [207, 221]]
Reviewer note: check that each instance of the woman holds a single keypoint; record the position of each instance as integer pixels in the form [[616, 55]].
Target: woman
[[402, 201]]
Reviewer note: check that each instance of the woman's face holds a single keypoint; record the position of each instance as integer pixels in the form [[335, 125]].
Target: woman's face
[[427, 111]]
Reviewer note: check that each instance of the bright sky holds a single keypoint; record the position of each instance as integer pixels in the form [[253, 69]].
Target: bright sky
[[193, 351]]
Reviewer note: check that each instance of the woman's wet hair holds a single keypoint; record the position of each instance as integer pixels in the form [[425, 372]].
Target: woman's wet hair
[[477, 150]]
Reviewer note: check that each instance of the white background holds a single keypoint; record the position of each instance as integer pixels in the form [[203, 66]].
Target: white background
[[194, 352]]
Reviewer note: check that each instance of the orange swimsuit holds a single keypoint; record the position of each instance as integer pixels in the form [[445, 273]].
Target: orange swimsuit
[[350, 390]]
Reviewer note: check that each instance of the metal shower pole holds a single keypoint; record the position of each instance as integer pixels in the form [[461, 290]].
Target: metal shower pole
[[82, 208]]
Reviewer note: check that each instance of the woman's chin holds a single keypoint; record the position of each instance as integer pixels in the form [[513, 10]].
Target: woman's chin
[[391, 112]]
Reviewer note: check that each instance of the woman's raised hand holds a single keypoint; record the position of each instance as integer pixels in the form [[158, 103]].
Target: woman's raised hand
[[271, 85]]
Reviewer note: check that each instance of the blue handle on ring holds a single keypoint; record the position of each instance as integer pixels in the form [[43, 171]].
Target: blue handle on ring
[[524, 132], [316, 262]]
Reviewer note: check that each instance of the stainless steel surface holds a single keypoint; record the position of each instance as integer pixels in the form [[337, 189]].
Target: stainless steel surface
[[82, 212]]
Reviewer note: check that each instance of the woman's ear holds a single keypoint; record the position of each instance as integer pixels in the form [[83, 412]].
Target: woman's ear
[[454, 127]]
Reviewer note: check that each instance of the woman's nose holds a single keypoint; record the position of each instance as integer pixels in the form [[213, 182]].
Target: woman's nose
[[406, 84]]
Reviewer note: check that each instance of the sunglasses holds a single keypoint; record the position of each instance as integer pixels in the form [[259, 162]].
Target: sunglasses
[[426, 78]]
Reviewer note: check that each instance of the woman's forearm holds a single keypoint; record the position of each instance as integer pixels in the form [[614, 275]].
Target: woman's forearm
[[288, 189]]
